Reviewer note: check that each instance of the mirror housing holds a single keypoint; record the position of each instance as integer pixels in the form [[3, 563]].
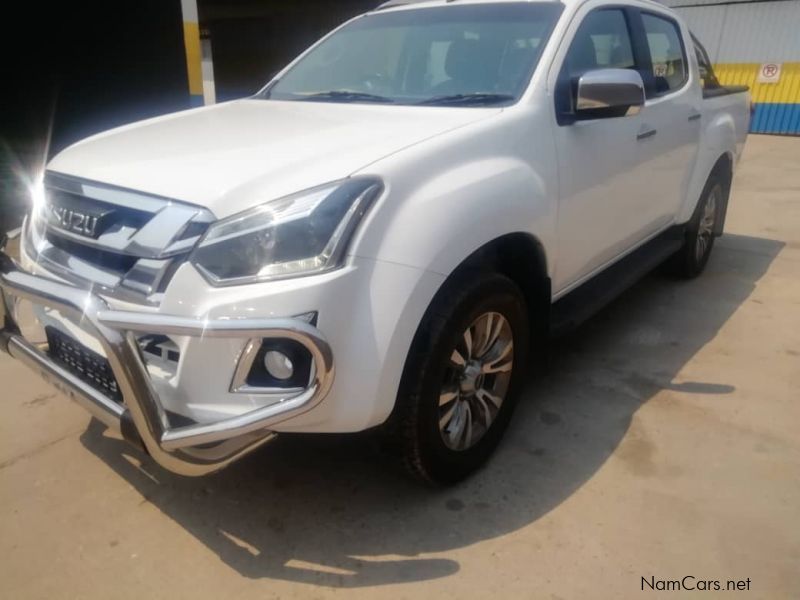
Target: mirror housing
[[605, 93]]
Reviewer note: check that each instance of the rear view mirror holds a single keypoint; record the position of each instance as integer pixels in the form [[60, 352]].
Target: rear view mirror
[[609, 93]]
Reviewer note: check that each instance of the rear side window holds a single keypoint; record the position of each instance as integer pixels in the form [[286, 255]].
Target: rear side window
[[670, 71], [707, 77]]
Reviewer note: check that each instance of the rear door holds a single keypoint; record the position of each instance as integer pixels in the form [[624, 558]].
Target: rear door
[[671, 117]]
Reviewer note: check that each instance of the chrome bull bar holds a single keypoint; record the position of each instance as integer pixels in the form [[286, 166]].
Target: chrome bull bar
[[193, 450]]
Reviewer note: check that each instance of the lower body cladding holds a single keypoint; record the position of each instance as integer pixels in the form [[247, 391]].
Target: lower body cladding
[[218, 401]]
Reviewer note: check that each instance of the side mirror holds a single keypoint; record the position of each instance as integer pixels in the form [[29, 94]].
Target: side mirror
[[609, 93]]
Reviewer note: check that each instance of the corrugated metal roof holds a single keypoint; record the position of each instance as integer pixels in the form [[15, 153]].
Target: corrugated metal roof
[[761, 32], [752, 32], [745, 31]]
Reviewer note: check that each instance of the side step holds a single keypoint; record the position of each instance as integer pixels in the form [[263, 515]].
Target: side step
[[580, 304]]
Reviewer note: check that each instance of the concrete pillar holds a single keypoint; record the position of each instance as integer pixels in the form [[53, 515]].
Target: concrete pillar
[[209, 87], [194, 54]]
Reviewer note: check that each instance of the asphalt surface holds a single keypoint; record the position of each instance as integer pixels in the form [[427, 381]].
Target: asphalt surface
[[663, 444]]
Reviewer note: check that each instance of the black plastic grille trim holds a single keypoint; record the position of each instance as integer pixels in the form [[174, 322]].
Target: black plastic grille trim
[[87, 365], [103, 259]]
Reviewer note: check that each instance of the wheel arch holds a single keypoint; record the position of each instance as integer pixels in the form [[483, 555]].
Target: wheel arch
[[723, 169], [522, 258], [721, 166], [716, 153]]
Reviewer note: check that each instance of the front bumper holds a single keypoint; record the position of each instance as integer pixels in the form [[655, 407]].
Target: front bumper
[[192, 450]]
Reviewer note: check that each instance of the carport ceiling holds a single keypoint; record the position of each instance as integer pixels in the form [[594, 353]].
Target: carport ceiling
[[211, 10]]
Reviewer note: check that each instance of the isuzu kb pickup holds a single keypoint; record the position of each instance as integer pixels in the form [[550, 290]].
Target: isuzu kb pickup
[[382, 236]]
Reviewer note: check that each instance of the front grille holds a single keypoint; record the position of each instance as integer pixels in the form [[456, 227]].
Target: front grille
[[118, 217], [124, 243], [87, 365], [118, 263]]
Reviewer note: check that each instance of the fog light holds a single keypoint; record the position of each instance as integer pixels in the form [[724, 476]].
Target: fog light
[[278, 365]]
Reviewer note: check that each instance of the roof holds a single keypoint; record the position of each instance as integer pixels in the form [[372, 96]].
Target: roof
[[694, 3], [410, 3]]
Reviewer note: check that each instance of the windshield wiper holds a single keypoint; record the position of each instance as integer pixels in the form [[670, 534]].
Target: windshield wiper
[[468, 99], [345, 96]]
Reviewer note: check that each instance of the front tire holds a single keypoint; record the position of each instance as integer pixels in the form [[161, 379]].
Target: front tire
[[462, 378]]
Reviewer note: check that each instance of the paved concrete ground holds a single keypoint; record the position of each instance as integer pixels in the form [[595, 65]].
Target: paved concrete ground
[[664, 444]]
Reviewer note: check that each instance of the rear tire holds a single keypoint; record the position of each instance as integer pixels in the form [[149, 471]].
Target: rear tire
[[691, 260], [461, 379]]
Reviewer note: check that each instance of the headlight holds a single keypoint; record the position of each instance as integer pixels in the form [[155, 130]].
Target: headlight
[[302, 234]]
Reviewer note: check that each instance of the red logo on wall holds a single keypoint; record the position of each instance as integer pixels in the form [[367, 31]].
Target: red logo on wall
[[769, 73]]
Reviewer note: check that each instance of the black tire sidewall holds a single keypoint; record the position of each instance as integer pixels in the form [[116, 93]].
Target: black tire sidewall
[[493, 294], [685, 263]]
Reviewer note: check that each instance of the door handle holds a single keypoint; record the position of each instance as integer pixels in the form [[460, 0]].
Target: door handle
[[695, 116], [646, 134]]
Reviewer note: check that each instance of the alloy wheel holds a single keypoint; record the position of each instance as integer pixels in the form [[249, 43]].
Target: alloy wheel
[[476, 381], [705, 232]]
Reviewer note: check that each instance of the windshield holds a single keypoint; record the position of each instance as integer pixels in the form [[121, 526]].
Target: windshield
[[471, 55]]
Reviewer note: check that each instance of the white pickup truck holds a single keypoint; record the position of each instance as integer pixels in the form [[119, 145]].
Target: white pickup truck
[[382, 237]]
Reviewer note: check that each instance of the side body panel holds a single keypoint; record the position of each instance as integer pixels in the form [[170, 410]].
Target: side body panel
[[724, 123], [450, 196]]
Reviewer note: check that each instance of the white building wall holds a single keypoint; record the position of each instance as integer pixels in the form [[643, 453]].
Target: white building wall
[[745, 32]]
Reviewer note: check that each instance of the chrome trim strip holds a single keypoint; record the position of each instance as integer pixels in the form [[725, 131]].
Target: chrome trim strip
[[77, 270], [155, 239], [80, 273], [122, 198], [145, 277], [180, 449], [106, 192], [246, 359]]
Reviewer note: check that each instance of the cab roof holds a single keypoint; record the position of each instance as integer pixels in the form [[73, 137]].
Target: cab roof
[[410, 4]]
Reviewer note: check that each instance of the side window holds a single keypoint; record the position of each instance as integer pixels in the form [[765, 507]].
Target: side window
[[707, 76], [670, 70], [603, 41]]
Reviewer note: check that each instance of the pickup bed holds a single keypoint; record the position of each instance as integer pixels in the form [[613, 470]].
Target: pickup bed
[[382, 237]]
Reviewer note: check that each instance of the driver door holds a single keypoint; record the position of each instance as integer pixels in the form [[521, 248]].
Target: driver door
[[601, 212]]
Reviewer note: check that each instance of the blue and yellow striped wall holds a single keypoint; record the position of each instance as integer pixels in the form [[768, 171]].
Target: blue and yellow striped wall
[[777, 105], [743, 35]]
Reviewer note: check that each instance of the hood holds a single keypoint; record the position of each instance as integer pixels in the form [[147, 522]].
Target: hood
[[233, 156]]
